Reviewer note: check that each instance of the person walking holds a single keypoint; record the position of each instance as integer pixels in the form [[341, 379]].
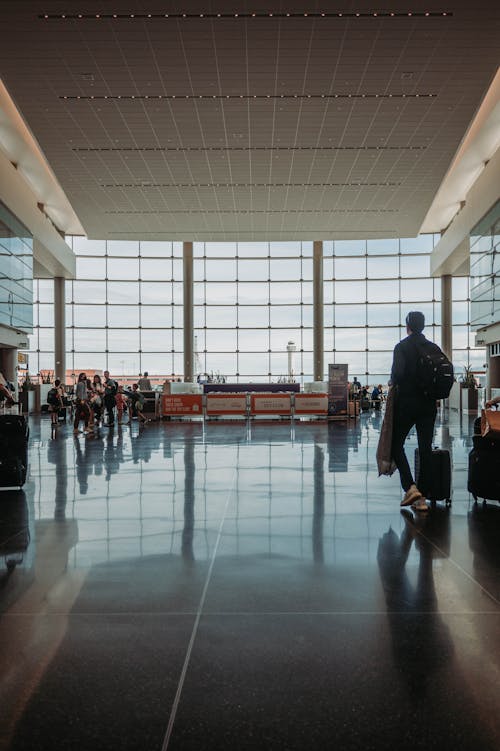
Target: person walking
[[412, 408], [110, 391], [82, 411]]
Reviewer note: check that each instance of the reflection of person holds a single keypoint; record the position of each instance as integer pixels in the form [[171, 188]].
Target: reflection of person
[[427, 647], [412, 408]]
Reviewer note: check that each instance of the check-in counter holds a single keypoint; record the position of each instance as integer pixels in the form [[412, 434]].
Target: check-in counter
[[270, 404], [181, 405], [225, 404], [313, 403]]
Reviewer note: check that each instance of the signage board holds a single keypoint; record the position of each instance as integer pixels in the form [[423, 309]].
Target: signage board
[[337, 390], [270, 404], [311, 404], [226, 404], [181, 404]]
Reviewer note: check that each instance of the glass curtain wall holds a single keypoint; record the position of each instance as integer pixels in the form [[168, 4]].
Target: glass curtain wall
[[16, 272], [124, 310]]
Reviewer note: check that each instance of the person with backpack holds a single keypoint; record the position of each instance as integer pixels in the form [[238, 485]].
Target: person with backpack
[[422, 374], [55, 402], [110, 391]]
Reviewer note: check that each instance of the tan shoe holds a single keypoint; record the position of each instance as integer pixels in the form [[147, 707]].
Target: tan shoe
[[412, 494]]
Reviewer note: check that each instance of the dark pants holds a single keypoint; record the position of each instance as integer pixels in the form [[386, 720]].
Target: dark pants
[[109, 404], [413, 411]]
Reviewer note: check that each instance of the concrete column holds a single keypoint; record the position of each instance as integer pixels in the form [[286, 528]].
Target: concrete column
[[60, 328], [9, 365], [446, 317], [187, 257], [318, 326]]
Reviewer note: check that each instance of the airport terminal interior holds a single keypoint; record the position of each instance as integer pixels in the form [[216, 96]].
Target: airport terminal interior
[[239, 204]]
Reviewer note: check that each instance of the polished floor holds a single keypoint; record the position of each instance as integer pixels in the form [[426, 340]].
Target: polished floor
[[244, 586]]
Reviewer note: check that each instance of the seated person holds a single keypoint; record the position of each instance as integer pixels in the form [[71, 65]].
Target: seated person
[[136, 401]]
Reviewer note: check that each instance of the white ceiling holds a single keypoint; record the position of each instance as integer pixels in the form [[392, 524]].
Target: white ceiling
[[249, 126]]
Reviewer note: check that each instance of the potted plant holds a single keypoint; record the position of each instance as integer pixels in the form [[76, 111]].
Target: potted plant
[[469, 390], [27, 395]]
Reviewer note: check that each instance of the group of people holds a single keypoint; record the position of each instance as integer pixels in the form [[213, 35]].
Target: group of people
[[373, 393], [97, 399]]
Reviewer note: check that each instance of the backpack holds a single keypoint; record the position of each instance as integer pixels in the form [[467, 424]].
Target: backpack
[[111, 387], [434, 371], [53, 397]]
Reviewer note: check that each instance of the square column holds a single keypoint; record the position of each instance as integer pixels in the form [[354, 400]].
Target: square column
[[318, 325], [187, 263]]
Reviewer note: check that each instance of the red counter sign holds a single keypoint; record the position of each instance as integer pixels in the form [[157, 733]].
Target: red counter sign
[[270, 404], [226, 404], [311, 404], [181, 404]]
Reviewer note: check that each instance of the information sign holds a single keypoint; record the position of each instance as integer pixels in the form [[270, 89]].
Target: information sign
[[311, 404], [337, 390], [270, 404], [181, 404], [226, 404]]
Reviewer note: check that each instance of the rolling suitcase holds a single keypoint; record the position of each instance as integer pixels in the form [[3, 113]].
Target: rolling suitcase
[[14, 433], [440, 473], [483, 480], [365, 405]]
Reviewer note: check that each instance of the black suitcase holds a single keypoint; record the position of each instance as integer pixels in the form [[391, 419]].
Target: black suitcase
[[14, 433], [365, 405], [483, 480], [441, 475]]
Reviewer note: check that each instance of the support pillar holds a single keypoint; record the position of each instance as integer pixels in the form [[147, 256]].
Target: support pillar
[[9, 365], [187, 264], [446, 317], [318, 325], [60, 328]]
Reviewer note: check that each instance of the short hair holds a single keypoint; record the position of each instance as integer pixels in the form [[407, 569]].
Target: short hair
[[415, 320]]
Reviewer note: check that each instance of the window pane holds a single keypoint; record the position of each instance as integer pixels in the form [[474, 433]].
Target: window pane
[[89, 340], [156, 315], [415, 266], [154, 340], [45, 315], [420, 244], [90, 268], [349, 315], [253, 271], [220, 340], [383, 268], [123, 292], [383, 315], [285, 270], [383, 338], [89, 315], [253, 249], [285, 248], [346, 292], [253, 316], [220, 270], [155, 249], [221, 316], [215, 294], [84, 247], [156, 270], [349, 247], [350, 339], [158, 293], [383, 291], [289, 293], [123, 268], [253, 341], [349, 268], [123, 248], [120, 316], [416, 290], [87, 292], [383, 247], [286, 315], [123, 340]]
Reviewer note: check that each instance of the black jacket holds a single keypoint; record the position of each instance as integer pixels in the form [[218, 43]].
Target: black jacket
[[404, 366]]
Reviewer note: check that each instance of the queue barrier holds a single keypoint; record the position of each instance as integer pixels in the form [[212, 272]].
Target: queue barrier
[[244, 405]]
